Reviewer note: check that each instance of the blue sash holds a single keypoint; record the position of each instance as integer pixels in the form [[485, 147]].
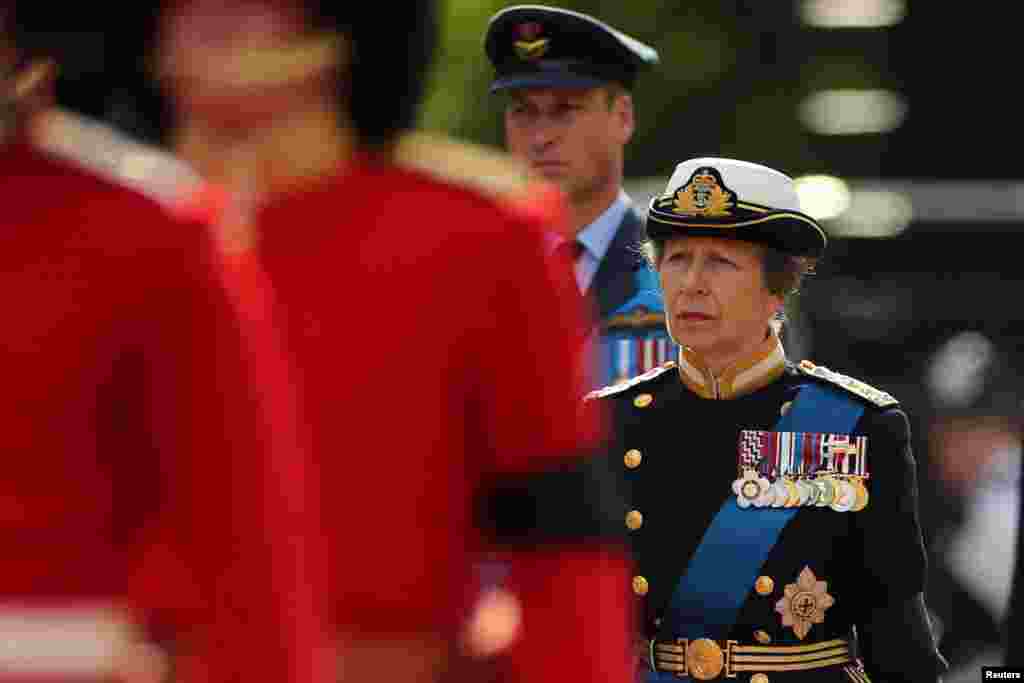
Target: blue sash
[[736, 544]]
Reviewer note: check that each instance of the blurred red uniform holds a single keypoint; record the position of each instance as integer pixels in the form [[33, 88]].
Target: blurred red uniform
[[433, 359], [437, 363], [136, 491]]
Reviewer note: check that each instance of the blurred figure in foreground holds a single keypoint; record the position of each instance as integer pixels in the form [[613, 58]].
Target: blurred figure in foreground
[[135, 505], [772, 505], [434, 352]]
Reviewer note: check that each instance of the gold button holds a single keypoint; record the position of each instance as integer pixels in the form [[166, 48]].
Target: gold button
[[634, 520], [764, 585], [762, 637], [759, 678], [704, 659], [632, 458], [643, 400], [785, 407], [640, 585]]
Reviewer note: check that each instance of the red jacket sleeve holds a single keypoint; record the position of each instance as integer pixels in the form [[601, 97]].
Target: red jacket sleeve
[[532, 382], [224, 570], [576, 614]]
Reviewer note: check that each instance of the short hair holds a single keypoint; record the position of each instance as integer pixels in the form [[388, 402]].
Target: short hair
[[614, 91]]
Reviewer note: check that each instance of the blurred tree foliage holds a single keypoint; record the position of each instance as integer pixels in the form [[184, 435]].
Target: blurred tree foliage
[[730, 81]]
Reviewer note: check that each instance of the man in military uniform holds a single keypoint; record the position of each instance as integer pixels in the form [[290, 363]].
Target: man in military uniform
[[568, 79], [771, 504], [440, 431]]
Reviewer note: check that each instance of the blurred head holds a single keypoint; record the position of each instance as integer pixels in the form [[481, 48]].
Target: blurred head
[[27, 67], [244, 62], [729, 245], [567, 78]]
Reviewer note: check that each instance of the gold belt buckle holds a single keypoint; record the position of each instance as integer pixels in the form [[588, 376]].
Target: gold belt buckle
[[705, 659]]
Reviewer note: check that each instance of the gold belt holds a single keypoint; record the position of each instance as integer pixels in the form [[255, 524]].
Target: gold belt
[[706, 659]]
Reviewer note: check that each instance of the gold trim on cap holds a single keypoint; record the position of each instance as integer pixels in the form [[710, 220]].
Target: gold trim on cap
[[740, 224]]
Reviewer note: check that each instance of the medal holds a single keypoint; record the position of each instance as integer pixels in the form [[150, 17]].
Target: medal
[[794, 494], [779, 494], [749, 488], [801, 493], [846, 496], [805, 492], [805, 469], [826, 485], [813, 493], [861, 492]]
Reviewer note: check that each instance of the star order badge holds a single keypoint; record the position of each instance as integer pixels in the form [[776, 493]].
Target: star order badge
[[804, 603]]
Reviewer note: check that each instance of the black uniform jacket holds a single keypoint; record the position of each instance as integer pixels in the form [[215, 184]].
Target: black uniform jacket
[[675, 456]]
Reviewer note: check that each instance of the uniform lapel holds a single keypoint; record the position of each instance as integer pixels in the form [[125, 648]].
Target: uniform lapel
[[615, 282]]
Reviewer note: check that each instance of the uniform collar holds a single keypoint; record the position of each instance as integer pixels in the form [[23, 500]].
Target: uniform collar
[[598, 236], [756, 371]]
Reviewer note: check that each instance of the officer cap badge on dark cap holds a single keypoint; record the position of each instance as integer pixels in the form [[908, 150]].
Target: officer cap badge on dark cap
[[533, 46], [735, 199]]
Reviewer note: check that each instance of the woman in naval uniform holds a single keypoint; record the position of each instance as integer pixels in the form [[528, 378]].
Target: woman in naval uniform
[[772, 505]]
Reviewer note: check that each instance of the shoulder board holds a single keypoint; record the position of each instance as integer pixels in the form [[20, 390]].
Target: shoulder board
[[854, 386], [612, 389], [491, 172], [115, 157]]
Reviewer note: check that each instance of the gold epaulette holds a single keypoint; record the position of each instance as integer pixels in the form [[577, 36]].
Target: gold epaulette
[[612, 389], [114, 156], [854, 386], [491, 172]]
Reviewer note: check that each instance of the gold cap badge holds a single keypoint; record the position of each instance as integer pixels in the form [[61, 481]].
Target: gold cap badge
[[704, 195], [530, 47]]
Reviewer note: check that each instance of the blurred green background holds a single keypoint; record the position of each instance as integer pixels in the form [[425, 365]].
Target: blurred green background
[[730, 82], [734, 74]]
